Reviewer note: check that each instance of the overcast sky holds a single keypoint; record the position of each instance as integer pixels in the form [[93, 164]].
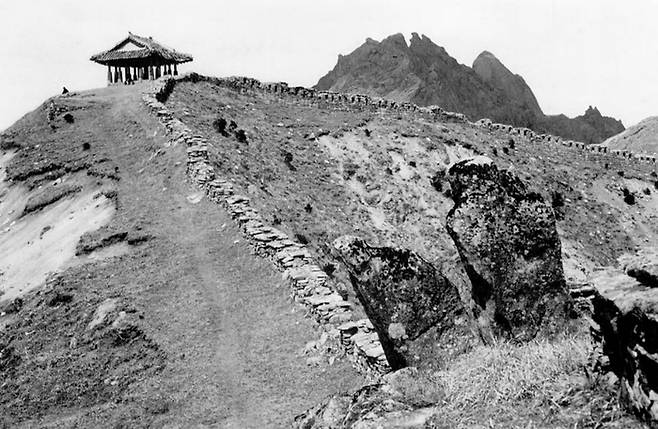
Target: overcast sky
[[571, 53]]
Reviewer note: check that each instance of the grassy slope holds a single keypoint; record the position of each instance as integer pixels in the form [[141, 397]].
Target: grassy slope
[[207, 342], [378, 186]]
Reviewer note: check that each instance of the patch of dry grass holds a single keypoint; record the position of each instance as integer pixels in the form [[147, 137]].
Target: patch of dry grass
[[538, 384]]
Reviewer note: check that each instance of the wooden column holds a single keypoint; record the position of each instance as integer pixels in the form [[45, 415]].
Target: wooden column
[[117, 75], [109, 75], [157, 72], [175, 70], [126, 73]]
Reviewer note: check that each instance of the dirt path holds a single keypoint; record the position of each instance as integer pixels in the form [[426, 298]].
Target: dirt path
[[221, 314]]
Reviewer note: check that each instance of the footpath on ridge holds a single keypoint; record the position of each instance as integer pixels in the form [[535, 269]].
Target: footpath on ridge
[[232, 338]]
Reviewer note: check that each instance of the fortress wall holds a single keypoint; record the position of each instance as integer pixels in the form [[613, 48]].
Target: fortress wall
[[428, 112], [310, 286]]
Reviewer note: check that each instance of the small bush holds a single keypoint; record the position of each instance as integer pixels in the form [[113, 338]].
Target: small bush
[[512, 144], [287, 159], [329, 269], [606, 166], [241, 136], [86, 146], [367, 131], [629, 198], [438, 179], [654, 174], [301, 238], [412, 164], [219, 125], [308, 208], [655, 184], [620, 173], [68, 118], [557, 201], [495, 152], [505, 150], [232, 126], [647, 191]]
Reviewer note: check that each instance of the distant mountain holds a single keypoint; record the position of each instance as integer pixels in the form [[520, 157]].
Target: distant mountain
[[424, 73], [640, 138]]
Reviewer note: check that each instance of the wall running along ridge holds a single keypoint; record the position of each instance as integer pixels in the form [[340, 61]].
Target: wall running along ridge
[[309, 284], [432, 113]]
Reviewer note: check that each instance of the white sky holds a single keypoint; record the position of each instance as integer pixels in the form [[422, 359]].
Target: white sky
[[571, 53]]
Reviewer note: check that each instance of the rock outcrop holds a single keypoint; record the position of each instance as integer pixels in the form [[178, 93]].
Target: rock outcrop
[[642, 266], [627, 313], [509, 245], [491, 70], [425, 74], [403, 398], [417, 313]]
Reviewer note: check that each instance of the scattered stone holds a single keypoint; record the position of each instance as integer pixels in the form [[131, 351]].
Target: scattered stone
[[511, 251]]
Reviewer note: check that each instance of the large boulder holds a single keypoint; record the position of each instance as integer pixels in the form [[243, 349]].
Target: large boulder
[[507, 240], [643, 266], [627, 313], [417, 313]]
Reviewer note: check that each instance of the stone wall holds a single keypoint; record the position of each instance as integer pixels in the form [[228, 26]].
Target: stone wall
[[428, 112], [310, 286]]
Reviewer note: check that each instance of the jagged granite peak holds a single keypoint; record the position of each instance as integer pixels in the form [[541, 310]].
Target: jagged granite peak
[[424, 73], [492, 71]]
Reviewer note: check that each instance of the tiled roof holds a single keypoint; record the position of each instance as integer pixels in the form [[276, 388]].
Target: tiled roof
[[148, 48]]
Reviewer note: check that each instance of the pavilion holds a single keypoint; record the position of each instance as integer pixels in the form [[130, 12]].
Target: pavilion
[[139, 58]]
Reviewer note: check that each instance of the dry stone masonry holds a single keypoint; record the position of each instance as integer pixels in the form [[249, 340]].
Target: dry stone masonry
[[310, 285], [428, 112]]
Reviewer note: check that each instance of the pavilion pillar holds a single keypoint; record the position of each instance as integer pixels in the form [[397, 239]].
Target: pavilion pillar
[[175, 70], [151, 75], [109, 75], [157, 72], [127, 75], [135, 78], [117, 75], [169, 69]]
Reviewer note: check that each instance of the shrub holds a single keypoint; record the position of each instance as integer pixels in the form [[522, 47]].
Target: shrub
[[232, 126], [308, 208], [512, 144], [301, 238], [367, 131], [505, 150], [86, 146], [412, 163], [329, 268], [437, 180], [287, 159], [557, 201], [655, 184], [606, 166], [219, 125], [647, 191], [620, 173], [68, 118], [241, 136], [495, 152], [629, 198]]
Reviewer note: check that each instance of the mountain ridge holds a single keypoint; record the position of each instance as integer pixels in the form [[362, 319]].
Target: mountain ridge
[[423, 73]]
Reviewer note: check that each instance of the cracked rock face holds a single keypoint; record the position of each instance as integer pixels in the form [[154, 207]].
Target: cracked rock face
[[507, 240], [627, 314], [417, 313]]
